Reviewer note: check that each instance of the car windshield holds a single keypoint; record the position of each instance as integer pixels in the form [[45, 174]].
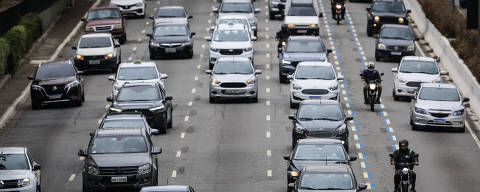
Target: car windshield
[[171, 13], [439, 94], [170, 30], [103, 14], [384, 6], [428, 67], [137, 73], [320, 152], [320, 112], [124, 123], [13, 162], [305, 47], [118, 144], [326, 181], [236, 8], [301, 11], [95, 42], [54, 71], [138, 93], [231, 35], [396, 33], [315, 72], [230, 21], [233, 67]]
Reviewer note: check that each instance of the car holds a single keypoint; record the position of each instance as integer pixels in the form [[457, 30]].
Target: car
[[438, 105], [385, 12], [463, 3], [171, 14], [226, 19], [314, 80], [233, 77], [239, 7], [57, 82], [106, 20], [131, 7], [119, 158], [412, 72], [150, 99], [320, 119], [301, 17], [19, 172], [276, 8], [298, 49], [315, 152], [136, 72], [126, 120], [395, 41], [169, 188], [231, 39], [98, 51], [326, 178], [170, 39]]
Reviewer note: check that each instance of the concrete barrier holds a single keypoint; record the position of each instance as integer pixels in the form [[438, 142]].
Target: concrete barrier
[[49, 15], [449, 59]]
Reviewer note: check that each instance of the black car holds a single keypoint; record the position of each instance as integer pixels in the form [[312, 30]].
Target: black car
[[395, 41], [150, 99], [320, 119], [168, 188], [126, 120], [315, 152], [385, 12], [297, 49], [327, 178], [119, 159], [171, 39], [56, 82], [276, 7]]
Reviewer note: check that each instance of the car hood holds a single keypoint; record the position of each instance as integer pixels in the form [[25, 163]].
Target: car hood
[[178, 20], [301, 20], [125, 159], [95, 51], [120, 83], [419, 77], [305, 56], [231, 45], [388, 14], [250, 16], [125, 2], [314, 83], [298, 165], [171, 39], [321, 125], [136, 105], [58, 81], [233, 77], [15, 174], [396, 42], [350, 190], [104, 22], [439, 105]]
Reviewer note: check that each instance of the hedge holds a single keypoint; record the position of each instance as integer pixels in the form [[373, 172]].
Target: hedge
[[32, 23], [4, 52], [17, 38]]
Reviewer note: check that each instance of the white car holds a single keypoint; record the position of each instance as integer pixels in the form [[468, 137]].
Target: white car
[[97, 51], [136, 72], [239, 7], [412, 72], [301, 17], [18, 171], [226, 19], [131, 7], [313, 80], [171, 14], [230, 40]]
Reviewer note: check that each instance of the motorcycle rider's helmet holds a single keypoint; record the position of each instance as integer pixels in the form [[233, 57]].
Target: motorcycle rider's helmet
[[284, 28], [371, 66], [403, 145]]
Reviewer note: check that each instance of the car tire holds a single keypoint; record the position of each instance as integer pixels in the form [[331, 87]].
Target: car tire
[[163, 128], [78, 103], [345, 145], [461, 130], [190, 54], [36, 105], [395, 97], [255, 33], [255, 99], [377, 58], [283, 80], [123, 39], [170, 123], [210, 65], [272, 16], [152, 56], [211, 99], [369, 33], [85, 185]]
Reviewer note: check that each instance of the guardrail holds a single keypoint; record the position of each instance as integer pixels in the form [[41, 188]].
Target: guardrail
[[449, 59]]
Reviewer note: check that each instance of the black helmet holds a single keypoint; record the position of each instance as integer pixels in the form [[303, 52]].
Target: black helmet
[[284, 28], [403, 145]]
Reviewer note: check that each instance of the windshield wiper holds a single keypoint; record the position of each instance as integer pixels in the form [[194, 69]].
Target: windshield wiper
[[310, 188], [328, 119], [305, 119]]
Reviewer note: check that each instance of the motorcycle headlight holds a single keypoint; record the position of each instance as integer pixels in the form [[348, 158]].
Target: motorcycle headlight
[[109, 56], [411, 48], [72, 84], [293, 173], [248, 49], [405, 171], [215, 81], [88, 29], [37, 87], [290, 25], [115, 110], [251, 81], [117, 26], [381, 46], [338, 6], [459, 112], [157, 108], [420, 110], [79, 57], [92, 170], [373, 86], [401, 20], [213, 49], [23, 182], [376, 18], [154, 44], [144, 169], [286, 62]]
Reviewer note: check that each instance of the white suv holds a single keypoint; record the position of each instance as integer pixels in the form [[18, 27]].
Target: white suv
[[97, 51], [131, 7], [18, 171], [231, 39]]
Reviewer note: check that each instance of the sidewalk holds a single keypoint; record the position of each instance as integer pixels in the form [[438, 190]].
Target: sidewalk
[[42, 50]]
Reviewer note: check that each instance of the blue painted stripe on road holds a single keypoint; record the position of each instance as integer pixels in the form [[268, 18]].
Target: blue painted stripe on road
[[355, 121], [355, 128], [364, 156], [342, 74], [346, 92], [345, 85], [369, 175], [382, 113], [372, 186], [385, 121], [388, 129], [394, 147], [366, 164], [390, 137], [353, 112]]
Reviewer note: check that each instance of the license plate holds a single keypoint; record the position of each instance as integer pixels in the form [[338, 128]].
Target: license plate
[[315, 97], [396, 53], [235, 92], [301, 31], [94, 62], [170, 50], [119, 179], [439, 121], [55, 96]]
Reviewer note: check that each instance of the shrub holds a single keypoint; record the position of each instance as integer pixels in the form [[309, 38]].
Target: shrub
[[4, 52], [17, 39], [32, 24]]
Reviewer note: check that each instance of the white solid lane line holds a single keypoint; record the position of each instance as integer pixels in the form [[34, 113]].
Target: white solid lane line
[[72, 177]]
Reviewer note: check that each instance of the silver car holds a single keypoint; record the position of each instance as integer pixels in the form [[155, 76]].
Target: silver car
[[413, 71], [171, 14], [18, 171], [239, 7], [226, 19], [233, 77], [438, 105]]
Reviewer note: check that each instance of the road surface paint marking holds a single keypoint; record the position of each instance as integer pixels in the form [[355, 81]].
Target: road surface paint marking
[[147, 23], [363, 53], [158, 2], [211, 14], [269, 173], [393, 138], [364, 164], [338, 68], [107, 106], [204, 46], [267, 90], [130, 58], [267, 117], [339, 74], [190, 103], [209, 21], [144, 31], [266, 20], [370, 186], [354, 128], [182, 135], [267, 45], [72, 177], [267, 66], [267, 102], [134, 49], [268, 134], [346, 98], [349, 112], [365, 175], [267, 77], [360, 156], [383, 113], [268, 55], [99, 121], [386, 121], [174, 173], [266, 28], [178, 153], [382, 106], [395, 147], [207, 29], [356, 137], [269, 153], [348, 105], [186, 118], [196, 78], [358, 145], [267, 36], [199, 66], [194, 90], [201, 55], [389, 130]]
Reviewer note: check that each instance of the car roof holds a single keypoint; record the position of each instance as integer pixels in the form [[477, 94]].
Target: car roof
[[395, 26], [167, 188], [236, 1], [232, 17], [120, 131], [170, 23], [133, 84], [319, 102], [327, 168], [302, 2], [65, 62], [12, 150], [418, 58], [319, 141], [105, 7], [304, 38], [233, 58], [97, 35], [439, 85], [140, 64], [314, 63], [171, 7], [123, 115], [231, 26]]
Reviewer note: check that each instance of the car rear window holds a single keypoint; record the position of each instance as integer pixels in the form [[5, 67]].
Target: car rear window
[[95, 42], [171, 13], [53, 71], [305, 47]]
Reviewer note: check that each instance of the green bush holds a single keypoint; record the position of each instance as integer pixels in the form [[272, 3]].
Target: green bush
[[4, 52], [17, 39], [31, 22]]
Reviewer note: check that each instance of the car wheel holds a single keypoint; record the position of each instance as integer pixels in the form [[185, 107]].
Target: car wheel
[[283, 79], [210, 65], [255, 99], [255, 33], [123, 39], [293, 143], [377, 58], [345, 145], [170, 122], [211, 99], [163, 128], [369, 33], [36, 105], [272, 16], [190, 55], [461, 130], [78, 103], [395, 97], [85, 185], [292, 105]]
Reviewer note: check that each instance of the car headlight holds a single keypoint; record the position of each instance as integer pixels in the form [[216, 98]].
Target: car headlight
[[144, 169], [402, 80], [88, 29], [79, 57], [459, 112], [215, 81], [138, 4], [411, 48], [438, 80], [293, 173], [420, 110], [401, 20], [373, 86], [248, 49], [154, 44], [376, 18], [290, 25], [92, 170], [381, 46], [115, 110], [109, 56], [313, 25], [333, 87], [341, 130], [72, 84], [160, 108], [117, 26], [213, 49], [186, 43], [23, 182], [37, 87], [300, 130], [296, 87], [286, 62], [251, 81]]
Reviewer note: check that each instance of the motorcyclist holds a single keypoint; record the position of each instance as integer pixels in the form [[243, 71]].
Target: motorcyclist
[[282, 36], [369, 74], [333, 2], [404, 155]]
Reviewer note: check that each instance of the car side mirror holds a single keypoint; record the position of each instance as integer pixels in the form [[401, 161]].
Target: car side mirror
[[320, 14], [444, 73], [289, 76], [208, 38], [190, 16], [163, 76], [362, 187], [291, 185], [409, 10], [215, 9], [36, 167], [83, 19], [151, 17], [394, 70], [348, 118], [74, 47], [286, 157], [368, 9], [149, 35], [155, 132], [212, 28], [111, 78], [257, 10], [340, 78], [253, 38], [110, 99], [117, 45], [329, 51], [291, 117], [353, 158], [156, 150], [381, 74], [466, 99], [81, 153], [208, 72], [258, 72], [169, 98], [192, 34], [30, 77]]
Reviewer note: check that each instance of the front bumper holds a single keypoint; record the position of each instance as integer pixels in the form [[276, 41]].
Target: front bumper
[[304, 31], [66, 95], [93, 65], [101, 183], [30, 188], [116, 33], [401, 89], [393, 53], [250, 91], [214, 55], [161, 50], [428, 120], [297, 96]]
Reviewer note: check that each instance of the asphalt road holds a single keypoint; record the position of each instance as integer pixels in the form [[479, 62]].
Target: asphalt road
[[239, 146]]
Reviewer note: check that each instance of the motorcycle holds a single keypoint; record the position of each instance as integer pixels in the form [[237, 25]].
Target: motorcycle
[[338, 12], [372, 93], [405, 174], [281, 43]]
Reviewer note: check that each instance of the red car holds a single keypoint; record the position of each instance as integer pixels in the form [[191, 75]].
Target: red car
[[106, 19]]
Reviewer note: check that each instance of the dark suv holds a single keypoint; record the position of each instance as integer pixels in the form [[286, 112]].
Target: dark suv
[[119, 159], [150, 99], [56, 82], [395, 41], [385, 12]]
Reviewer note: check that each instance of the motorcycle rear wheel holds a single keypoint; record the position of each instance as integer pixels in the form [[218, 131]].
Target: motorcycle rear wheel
[[405, 188]]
